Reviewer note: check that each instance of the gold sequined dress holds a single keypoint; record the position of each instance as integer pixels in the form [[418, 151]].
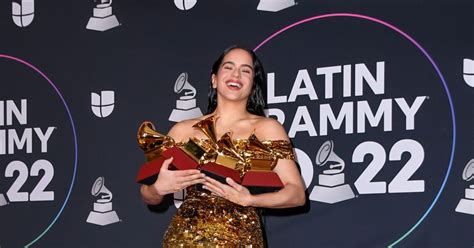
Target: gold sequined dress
[[207, 220]]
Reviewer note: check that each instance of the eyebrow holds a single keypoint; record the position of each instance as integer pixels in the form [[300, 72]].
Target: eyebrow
[[232, 63]]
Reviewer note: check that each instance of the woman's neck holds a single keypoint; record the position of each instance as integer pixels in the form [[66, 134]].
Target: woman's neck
[[231, 111]]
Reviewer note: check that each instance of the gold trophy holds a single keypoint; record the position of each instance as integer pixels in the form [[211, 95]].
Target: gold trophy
[[152, 142], [158, 147], [219, 159]]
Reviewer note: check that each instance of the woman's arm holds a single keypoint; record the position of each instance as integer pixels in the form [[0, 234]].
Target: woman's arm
[[291, 195]]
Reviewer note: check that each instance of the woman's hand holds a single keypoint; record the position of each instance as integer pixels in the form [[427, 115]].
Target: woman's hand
[[171, 181], [233, 192]]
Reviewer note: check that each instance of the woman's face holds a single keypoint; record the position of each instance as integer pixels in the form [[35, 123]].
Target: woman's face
[[234, 79]]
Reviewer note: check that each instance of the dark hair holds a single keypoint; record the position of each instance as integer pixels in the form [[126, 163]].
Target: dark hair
[[256, 102]]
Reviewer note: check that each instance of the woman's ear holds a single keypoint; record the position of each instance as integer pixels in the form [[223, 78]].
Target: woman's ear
[[214, 81]]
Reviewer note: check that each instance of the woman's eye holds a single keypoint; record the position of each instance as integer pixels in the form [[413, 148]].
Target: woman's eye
[[227, 67], [247, 71]]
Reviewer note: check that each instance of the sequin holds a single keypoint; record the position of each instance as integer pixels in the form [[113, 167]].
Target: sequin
[[207, 220]]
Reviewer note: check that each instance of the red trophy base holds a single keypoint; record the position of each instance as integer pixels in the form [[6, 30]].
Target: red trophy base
[[256, 181], [149, 171], [220, 172], [259, 182]]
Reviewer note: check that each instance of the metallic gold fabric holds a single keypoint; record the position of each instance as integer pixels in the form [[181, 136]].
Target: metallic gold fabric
[[207, 220]]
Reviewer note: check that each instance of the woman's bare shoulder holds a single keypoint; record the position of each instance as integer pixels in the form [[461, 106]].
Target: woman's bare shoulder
[[270, 129]]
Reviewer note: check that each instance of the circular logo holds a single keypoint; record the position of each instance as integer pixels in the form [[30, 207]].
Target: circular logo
[[37, 143], [371, 119], [185, 4]]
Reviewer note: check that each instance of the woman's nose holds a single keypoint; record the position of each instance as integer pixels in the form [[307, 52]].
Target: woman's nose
[[236, 73]]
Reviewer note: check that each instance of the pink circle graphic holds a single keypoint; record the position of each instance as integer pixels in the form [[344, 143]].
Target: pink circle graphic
[[440, 75]]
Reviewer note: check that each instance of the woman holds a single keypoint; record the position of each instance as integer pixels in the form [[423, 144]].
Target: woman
[[224, 214]]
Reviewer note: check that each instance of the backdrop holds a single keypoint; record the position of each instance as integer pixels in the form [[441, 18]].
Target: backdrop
[[376, 98]]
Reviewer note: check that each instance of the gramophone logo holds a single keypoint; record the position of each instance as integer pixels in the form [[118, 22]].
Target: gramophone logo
[[3, 200], [102, 214], [178, 198], [185, 4], [466, 204], [102, 105], [275, 5], [331, 188], [102, 18], [186, 107], [23, 12], [468, 72]]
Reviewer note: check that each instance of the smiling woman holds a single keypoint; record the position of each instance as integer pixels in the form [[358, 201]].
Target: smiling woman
[[256, 101], [224, 214]]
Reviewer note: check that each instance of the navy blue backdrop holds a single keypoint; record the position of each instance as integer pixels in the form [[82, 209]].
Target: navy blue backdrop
[[383, 89]]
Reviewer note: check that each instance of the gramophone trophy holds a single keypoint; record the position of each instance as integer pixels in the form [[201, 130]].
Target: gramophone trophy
[[466, 204], [274, 5], [102, 214], [158, 148], [102, 18], [218, 159], [223, 160], [331, 188], [3, 200], [186, 107]]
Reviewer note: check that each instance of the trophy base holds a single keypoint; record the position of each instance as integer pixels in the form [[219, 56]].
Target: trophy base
[[331, 180], [259, 182], [465, 206], [186, 104], [274, 6], [102, 219], [3, 200], [331, 194], [148, 172], [178, 115], [100, 207], [220, 172], [102, 12], [102, 24]]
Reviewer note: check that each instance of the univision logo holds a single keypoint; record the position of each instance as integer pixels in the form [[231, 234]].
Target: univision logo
[[103, 104], [23, 12], [468, 72], [185, 4]]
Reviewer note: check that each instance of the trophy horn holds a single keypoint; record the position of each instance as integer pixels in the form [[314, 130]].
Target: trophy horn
[[226, 145], [152, 142], [207, 126], [256, 144]]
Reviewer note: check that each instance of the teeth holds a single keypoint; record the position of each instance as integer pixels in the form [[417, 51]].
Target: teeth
[[235, 84]]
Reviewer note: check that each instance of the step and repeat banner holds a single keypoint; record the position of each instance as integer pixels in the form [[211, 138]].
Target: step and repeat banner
[[377, 99]]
